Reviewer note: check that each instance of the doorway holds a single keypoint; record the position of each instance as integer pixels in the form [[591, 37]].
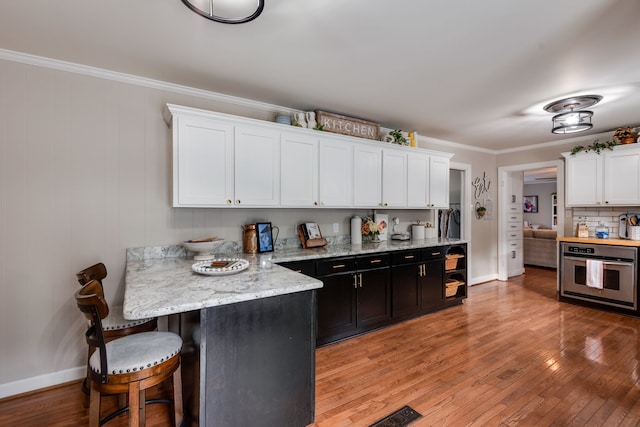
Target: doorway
[[504, 200]]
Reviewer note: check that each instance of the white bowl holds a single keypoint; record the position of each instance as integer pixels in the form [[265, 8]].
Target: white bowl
[[203, 249], [535, 227]]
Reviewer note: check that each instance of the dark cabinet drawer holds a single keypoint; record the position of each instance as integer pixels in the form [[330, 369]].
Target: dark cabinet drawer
[[335, 265], [406, 257], [304, 267], [373, 261], [436, 252]]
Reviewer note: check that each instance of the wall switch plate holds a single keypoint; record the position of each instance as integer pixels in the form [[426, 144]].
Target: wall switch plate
[[336, 227]]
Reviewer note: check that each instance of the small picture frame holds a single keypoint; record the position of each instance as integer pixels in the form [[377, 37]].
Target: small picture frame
[[530, 204], [265, 237]]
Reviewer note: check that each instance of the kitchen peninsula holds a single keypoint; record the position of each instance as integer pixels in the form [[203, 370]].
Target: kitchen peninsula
[[258, 327]]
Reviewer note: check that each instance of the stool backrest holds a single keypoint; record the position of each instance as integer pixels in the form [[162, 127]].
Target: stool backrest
[[95, 272], [91, 302]]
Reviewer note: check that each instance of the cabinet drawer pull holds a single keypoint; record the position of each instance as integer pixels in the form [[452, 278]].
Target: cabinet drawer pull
[[409, 257], [375, 261], [435, 253], [338, 266]]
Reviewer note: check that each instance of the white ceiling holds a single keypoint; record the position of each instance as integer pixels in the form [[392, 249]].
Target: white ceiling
[[468, 71]]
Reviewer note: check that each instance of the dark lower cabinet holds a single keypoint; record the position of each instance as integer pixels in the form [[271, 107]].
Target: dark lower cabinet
[[355, 298], [362, 293], [417, 277], [431, 285], [406, 290], [336, 307]]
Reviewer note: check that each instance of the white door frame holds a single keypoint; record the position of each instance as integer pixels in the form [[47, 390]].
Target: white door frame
[[503, 196], [466, 208]]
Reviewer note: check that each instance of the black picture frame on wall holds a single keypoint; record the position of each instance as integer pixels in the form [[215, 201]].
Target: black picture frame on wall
[[530, 204], [265, 237]]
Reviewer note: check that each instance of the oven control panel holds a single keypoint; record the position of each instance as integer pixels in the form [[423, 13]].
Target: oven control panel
[[580, 250]]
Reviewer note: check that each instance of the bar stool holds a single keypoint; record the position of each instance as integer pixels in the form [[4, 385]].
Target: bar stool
[[130, 364], [114, 325]]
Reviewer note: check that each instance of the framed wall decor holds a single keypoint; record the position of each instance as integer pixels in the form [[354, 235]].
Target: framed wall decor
[[530, 204], [265, 237]]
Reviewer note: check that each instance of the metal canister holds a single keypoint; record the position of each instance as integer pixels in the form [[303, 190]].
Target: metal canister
[[249, 239]]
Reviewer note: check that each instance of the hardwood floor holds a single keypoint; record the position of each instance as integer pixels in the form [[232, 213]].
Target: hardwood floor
[[510, 355]]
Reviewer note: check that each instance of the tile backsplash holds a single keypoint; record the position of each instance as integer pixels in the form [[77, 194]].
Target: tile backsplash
[[608, 216]]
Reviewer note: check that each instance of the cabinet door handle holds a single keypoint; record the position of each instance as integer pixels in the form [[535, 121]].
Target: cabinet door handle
[[338, 266], [229, 201], [355, 281], [360, 276], [375, 261], [238, 202], [424, 269]]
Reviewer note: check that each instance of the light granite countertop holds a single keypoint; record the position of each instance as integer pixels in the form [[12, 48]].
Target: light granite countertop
[[159, 286]]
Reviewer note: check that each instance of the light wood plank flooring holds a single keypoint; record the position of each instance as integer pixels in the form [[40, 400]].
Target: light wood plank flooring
[[510, 355]]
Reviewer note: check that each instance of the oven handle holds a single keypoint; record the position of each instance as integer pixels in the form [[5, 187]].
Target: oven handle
[[570, 258]]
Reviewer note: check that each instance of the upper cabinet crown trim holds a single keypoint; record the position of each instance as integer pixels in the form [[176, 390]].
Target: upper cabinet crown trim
[[171, 110]]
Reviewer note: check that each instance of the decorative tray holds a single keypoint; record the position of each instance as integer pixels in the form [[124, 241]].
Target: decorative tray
[[220, 266]]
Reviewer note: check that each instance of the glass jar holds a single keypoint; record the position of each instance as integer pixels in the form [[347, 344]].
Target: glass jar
[[602, 231]]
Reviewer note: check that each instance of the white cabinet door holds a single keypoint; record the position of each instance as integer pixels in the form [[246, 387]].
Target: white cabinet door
[[367, 176], [622, 178], [298, 171], [202, 162], [584, 179], [394, 178], [257, 166], [417, 181], [335, 173], [438, 182]]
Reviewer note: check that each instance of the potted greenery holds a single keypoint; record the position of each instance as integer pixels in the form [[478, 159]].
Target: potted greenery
[[597, 147], [481, 210], [398, 137]]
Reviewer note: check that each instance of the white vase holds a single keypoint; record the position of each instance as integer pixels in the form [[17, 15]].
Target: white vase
[[311, 119]]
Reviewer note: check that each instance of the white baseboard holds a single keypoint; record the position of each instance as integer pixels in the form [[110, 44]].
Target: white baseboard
[[482, 279], [42, 381]]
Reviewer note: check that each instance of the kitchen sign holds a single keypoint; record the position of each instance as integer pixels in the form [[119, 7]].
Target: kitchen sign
[[344, 125]]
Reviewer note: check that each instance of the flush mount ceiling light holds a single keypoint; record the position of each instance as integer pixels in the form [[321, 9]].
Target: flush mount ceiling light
[[227, 11], [572, 118]]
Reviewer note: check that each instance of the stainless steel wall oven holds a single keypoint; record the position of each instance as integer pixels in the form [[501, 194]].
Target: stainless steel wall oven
[[618, 278]]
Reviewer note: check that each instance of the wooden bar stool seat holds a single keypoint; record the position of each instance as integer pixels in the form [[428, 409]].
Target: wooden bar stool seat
[[130, 364], [114, 325]]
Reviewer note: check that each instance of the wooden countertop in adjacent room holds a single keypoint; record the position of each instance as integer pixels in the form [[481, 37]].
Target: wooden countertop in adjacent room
[[593, 240]]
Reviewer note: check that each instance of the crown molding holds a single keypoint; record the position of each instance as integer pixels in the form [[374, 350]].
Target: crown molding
[[86, 70]]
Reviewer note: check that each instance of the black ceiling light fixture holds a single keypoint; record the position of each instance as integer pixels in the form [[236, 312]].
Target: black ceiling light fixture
[[227, 11], [572, 118]]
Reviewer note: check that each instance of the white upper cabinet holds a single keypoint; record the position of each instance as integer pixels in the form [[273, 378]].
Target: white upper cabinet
[[611, 178], [439, 181], [224, 160], [298, 170], [418, 181], [257, 166], [202, 162], [367, 175], [622, 177], [394, 178], [427, 181], [335, 173]]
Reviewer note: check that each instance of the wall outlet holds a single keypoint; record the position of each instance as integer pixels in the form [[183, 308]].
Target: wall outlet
[[336, 227]]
